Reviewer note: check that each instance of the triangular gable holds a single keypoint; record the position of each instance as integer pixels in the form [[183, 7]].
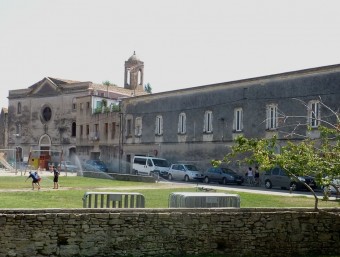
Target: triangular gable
[[45, 87]]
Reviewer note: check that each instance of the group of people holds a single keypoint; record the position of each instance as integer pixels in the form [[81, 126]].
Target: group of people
[[253, 176], [36, 178]]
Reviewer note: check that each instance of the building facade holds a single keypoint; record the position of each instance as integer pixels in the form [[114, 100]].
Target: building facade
[[199, 124], [194, 125], [42, 120]]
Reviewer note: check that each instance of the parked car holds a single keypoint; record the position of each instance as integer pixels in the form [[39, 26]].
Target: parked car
[[222, 176], [277, 177], [147, 165], [68, 166], [186, 172], [95, 165], [331, 188]]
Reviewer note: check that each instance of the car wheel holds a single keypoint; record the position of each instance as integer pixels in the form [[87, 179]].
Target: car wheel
[[268, 184], [206, 180], [293, 186], [224, 181], [170, 177], [186, 179]]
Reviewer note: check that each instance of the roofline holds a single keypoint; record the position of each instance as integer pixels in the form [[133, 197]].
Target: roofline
[[250, 80]]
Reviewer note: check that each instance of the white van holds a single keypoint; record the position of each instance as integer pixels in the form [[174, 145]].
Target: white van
[[147, 165]]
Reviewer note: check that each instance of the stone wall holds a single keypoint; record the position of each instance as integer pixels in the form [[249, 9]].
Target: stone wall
[[118, 176], [169, 232]]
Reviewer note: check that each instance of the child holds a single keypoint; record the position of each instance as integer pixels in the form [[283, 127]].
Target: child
[[35, 179], [55, 178]]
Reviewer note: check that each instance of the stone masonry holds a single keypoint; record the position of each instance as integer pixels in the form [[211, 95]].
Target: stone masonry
[[169, 232]]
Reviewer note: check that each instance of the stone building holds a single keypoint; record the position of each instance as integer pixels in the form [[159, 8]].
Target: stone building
[[192, 125], [199, 124], [3, 128], [43, 122]]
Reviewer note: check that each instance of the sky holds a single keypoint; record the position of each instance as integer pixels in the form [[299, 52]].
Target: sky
[[183, 43]]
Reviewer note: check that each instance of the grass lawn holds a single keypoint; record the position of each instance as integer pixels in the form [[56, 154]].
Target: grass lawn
[[16, 193]]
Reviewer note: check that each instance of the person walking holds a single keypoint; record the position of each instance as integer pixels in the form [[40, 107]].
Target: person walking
[[35, 179], [250, 176], [55, 178], [257, 176]]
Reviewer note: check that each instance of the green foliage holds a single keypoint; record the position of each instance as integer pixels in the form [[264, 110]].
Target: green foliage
[[104, 102], [319, 157], [115, 108], [148, 88], [98, 110], [108, 83]]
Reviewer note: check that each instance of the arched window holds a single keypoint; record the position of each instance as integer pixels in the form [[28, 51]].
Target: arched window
[[19, 108], [74, 128], [128, 77], [159, 125], [182, 123], [140, 77]]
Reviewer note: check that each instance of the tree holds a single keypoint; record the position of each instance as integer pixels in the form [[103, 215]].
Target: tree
[[108, 83], [319, 157], [148, 88]]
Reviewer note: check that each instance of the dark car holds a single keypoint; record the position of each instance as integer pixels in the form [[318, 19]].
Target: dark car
[[95, 165], [222, 176], [277, 177]]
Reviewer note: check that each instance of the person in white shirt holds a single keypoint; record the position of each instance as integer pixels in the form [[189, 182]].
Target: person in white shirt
[[250, 176]]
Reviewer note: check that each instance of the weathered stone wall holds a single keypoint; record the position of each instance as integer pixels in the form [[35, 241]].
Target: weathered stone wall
[[169, 232]]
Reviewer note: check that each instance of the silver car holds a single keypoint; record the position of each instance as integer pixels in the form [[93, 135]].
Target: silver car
[[277, 177], [186, 172]]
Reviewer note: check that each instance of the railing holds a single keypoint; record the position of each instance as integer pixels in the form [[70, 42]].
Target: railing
[[203, 200], [113, 200]]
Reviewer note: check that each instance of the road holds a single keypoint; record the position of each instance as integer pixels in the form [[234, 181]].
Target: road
[[248, 189]]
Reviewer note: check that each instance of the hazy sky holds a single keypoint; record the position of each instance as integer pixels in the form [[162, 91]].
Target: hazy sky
[[183, 43]]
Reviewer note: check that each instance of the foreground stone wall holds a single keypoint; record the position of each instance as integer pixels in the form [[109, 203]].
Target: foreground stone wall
[[169, 232]]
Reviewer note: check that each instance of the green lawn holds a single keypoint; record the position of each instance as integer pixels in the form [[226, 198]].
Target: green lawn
[[16, 193]]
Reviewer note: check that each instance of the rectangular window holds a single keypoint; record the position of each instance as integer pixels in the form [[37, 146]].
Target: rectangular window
[[272, 117], [87, 130], [138, 126], [159, 125], [238, 119], [128, 127], [106, 130], [208, 122], [81, 130], [113, 130], [314, 116], [182, 123]]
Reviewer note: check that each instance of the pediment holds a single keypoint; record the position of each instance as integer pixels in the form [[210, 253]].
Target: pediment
[[45, 88]]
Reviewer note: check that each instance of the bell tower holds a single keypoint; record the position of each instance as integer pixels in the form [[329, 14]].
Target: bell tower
[[134, 73]]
